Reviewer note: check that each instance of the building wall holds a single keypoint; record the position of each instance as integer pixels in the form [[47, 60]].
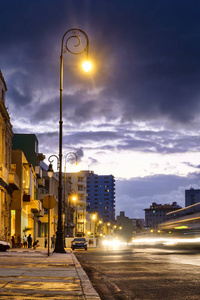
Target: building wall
[[124, 229], [192, 196], [101, 196], [23, 212], [78, 186], [156, 214], [6, 135], [29, 144]]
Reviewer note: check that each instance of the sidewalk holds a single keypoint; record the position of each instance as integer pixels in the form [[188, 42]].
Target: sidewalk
[[31, 274]]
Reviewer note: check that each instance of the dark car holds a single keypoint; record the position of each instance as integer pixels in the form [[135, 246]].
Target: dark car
[[79, 243], [4, 246]]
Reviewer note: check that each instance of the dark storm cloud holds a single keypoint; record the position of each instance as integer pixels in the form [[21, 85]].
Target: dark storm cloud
[[136, 194], [161, 142], [155, 184], [80, 153], [85, 137], [166, 141], [192, 165], [147, 54]]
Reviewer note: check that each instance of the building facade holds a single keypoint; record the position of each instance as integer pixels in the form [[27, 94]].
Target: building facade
[[192, 196], [76, 185], [28, 144], [49, 187], [124, 227], [25, 207], [9, 180], [101, 196], [156, 214]]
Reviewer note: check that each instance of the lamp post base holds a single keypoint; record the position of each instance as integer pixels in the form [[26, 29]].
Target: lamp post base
[[59, 246]]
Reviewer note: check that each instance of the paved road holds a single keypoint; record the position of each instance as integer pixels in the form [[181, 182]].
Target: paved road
[[143, 274]]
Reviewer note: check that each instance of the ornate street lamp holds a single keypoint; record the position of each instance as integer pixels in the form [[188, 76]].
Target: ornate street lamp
[[50, 170], [69, 36]]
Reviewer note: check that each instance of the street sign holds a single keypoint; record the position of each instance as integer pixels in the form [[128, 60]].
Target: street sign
[[49, 202]]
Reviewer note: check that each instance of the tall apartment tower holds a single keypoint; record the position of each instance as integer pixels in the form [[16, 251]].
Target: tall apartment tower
[[192, 196], [101, 196]]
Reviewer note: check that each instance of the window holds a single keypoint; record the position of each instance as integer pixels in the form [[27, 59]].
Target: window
[[80, 188]]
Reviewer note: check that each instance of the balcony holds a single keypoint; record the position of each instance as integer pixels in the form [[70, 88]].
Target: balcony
[[41, 182], [13, 181], [80, 209], [36, 205], [40, 213], [4, 181], [27, 197], [81, 179]]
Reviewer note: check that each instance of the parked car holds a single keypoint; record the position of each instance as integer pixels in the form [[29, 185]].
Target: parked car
[[79, 243], [4, 246]]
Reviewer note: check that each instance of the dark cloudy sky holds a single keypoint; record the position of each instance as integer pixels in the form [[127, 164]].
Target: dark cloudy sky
[[136, 116]]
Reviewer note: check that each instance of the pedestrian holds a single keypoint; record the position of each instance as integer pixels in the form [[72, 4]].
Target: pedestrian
[[45, 242], [35, 244], [52, 241], [19, 241], [30, 241], [25, 241], [13, 241]]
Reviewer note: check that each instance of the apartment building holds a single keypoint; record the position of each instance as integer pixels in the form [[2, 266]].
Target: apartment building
[[101, 196], [77, 188], [192, 196], [9, 180], [157, 213]]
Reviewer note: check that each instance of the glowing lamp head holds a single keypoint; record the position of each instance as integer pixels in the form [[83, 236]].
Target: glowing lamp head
[[74, 198], [87, 66], [94, 217]]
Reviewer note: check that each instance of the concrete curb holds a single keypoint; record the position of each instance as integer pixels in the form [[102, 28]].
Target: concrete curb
[[88, 290]]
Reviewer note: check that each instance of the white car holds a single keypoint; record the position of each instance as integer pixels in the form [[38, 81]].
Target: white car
[[4, 246]]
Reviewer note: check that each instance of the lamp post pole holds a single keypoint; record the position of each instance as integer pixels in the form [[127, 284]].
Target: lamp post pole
[[72, 34], [72, 158]]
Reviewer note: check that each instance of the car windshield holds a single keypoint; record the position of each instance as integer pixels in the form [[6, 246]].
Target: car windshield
[[79, 240]]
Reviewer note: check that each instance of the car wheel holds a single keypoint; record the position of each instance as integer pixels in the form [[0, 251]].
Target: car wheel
[[2, 248]]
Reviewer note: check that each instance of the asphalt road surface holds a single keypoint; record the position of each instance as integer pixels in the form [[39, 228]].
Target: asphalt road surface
[[143, 273]]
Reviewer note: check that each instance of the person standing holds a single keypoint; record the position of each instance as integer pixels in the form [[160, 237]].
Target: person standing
[[13, 241], [25, 241], [30, 241], [52, 241], [45, 242], [19, 241]]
